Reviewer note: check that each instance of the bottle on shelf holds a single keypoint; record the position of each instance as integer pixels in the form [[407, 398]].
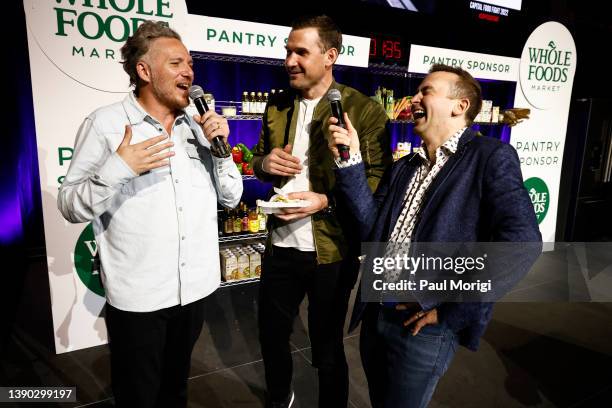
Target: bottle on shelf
[[265, 102], [378, 96], [260, 102], [244, 214], [262, 219], [245, 103], [253, 221], [210, 101], [221, 223], [237, 222], [252, 103], [228, 225], [389, 105]]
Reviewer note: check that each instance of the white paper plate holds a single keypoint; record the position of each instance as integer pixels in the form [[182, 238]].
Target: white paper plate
[[273, 207]]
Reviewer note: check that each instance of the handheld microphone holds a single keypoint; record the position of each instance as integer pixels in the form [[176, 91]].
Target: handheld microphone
[[197, 94], [333, 96]]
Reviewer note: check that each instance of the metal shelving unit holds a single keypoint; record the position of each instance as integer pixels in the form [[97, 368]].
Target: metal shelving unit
[[475, 123], [373, 68], [242, 237], [236, 58], [238, 282], [390, 70], [379, 69], [237, 239], [244, 117]]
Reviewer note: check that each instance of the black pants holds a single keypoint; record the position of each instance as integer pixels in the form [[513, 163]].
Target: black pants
[[287, 276], [151, 354]]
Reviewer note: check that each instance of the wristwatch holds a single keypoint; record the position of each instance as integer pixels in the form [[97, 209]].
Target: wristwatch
[[330, 210], [215, 152]]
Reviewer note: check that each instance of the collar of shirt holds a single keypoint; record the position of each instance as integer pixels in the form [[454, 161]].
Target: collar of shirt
[[137, 114], [310, 102], [448, 148]]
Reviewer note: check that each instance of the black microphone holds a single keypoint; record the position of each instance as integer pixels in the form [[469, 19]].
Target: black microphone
[[197, 94], [333, 96]]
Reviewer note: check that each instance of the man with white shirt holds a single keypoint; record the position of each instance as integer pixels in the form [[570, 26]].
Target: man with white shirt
[[311, 251], [143, 172]]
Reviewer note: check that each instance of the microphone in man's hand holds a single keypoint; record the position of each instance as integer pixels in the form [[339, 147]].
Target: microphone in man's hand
[[197, 94], [334, 96]]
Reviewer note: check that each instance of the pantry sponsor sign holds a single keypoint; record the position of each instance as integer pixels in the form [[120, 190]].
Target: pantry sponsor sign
[[223, 36], [74, 49], [544, 76], [481, 66]]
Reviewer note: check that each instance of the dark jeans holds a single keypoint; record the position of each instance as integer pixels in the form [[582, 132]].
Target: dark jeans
[[151, 354], [287, 276], [403, 370]]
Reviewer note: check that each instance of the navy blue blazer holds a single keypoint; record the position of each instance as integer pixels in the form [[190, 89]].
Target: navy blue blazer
[[478, 196]]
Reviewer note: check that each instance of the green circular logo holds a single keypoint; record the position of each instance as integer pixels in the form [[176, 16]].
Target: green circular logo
[[540, 197], [86, 261]]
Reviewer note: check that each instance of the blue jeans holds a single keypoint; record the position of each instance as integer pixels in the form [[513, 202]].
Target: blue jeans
[[403, 370]]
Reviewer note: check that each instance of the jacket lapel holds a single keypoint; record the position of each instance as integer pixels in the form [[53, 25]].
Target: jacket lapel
[[399, 186]]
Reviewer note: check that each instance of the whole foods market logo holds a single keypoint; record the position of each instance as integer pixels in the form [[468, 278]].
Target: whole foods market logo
[[539, 195], [83, 37], [85, 261], [547, 66]]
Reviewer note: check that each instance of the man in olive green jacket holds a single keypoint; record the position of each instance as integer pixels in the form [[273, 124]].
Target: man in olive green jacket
[[311, 250]]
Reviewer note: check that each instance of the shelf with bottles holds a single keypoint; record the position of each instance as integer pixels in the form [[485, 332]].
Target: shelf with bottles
[[242, 233], [241, 223], [251, 106], [399, 109]]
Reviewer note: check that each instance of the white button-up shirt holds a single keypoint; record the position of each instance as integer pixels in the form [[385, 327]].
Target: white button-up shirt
[[156, 233], [298, 233]]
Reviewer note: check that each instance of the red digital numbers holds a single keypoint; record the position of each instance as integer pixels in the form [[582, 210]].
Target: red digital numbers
[[373, 47], [385, 49], [391, 49]]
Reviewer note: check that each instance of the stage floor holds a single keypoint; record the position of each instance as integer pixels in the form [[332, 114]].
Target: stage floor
[[548, 354]]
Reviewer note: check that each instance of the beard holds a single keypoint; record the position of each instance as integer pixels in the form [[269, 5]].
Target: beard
[[166, 94]]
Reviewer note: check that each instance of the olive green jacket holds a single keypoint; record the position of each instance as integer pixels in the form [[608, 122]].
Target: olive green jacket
[[369, 120]]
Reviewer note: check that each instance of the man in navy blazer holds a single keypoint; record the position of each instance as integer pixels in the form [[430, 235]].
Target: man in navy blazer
[[458, 187]]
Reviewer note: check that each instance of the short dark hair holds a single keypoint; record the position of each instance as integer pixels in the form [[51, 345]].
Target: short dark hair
[[138, 45], [465, 87], [329, 32]]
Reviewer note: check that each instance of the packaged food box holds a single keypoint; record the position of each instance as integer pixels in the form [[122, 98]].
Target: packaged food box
[[229, 266]]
